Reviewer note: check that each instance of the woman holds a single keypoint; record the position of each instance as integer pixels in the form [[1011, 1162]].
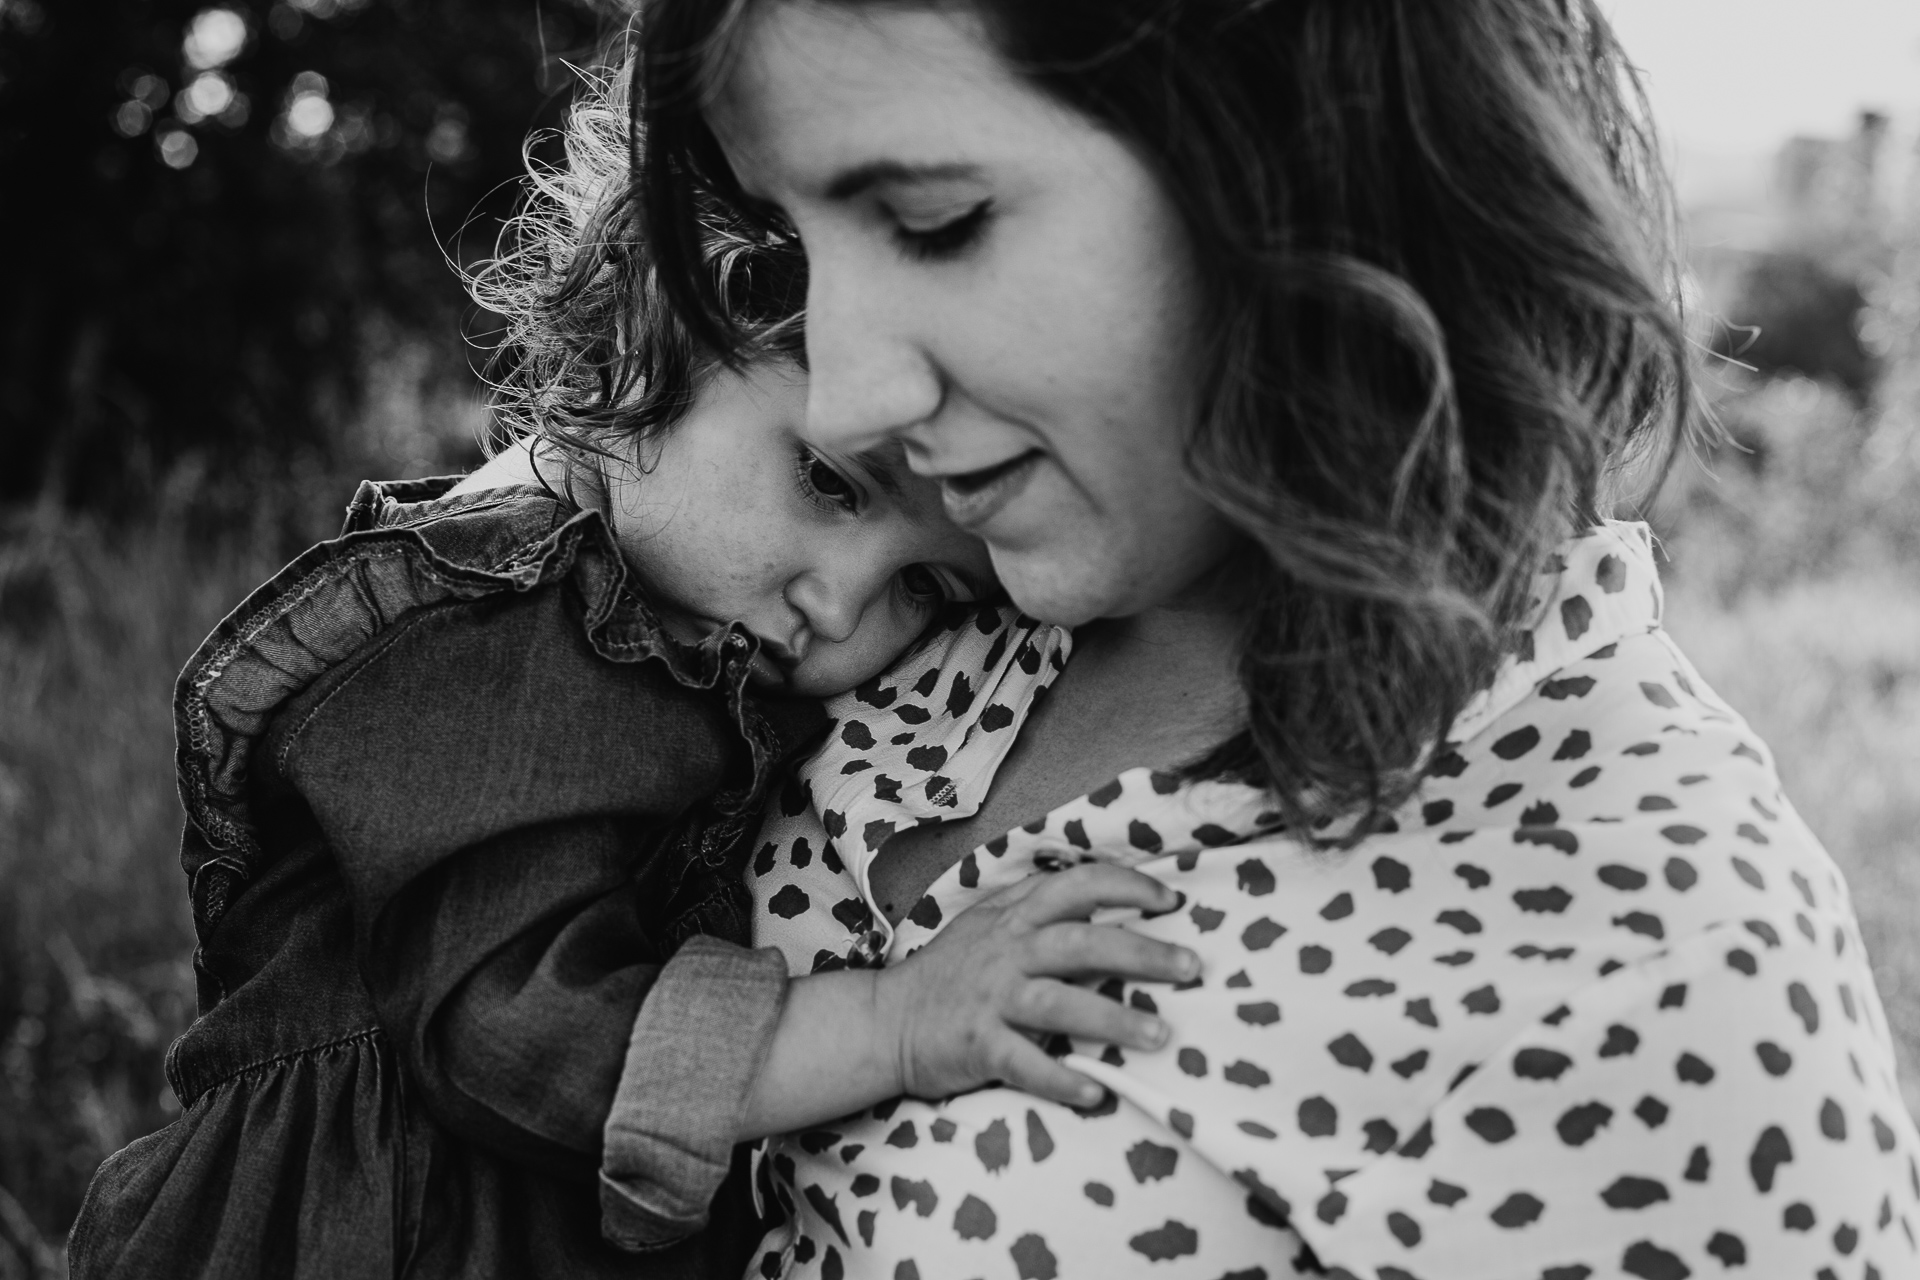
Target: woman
[[1293, 354]]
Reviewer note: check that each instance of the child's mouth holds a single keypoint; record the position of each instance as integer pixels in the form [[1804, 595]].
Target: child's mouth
[[974, 497]]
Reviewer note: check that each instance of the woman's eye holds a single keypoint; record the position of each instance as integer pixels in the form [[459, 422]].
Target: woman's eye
[[947, 239]]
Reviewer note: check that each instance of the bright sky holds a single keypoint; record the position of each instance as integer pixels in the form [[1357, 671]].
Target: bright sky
[[1741, 76]]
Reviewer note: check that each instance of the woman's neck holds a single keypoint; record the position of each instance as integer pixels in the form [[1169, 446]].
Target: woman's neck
[[1181, 659], [1165, 678]]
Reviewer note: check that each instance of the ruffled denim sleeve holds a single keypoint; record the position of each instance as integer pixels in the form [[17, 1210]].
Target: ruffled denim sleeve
[[506, 809], [536, 802]]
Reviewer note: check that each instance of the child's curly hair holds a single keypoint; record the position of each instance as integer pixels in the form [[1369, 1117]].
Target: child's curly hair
[[592, 354]]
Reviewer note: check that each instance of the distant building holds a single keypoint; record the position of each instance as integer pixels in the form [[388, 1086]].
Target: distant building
[[1826, 187], [1812, 279]]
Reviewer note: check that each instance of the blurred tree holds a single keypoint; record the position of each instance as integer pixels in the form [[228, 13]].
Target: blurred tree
[[1808, 310], [214, 207], [224, 223]]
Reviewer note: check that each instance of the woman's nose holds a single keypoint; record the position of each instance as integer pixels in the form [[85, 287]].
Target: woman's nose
[[867, 377]]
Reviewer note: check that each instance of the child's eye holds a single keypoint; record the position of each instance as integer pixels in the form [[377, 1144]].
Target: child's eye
[[821, 482], [948, 239], [924, 584]]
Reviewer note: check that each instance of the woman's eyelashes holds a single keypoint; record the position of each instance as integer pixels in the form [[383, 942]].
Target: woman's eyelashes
[[948, 239]]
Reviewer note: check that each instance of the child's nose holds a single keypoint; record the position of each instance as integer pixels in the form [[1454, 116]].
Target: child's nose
[[831, 604]]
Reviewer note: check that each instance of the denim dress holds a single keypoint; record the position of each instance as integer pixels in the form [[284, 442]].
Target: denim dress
[[464, 840]]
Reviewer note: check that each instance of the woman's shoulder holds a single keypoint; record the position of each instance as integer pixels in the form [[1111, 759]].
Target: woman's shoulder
[[1603, 785], [1595, 999], [1684, 1064], [1601, 743]]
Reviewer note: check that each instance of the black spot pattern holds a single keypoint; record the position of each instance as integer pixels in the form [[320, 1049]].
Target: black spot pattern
[[1594, 984]]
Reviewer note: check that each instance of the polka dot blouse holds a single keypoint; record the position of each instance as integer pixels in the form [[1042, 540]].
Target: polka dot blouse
[[1593, 1005]]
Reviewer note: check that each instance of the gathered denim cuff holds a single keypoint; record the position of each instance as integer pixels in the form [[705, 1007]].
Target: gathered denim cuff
[[697, 1048]]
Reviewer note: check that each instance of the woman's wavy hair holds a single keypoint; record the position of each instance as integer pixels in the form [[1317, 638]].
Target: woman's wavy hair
[[1436, 240], [591, 352]]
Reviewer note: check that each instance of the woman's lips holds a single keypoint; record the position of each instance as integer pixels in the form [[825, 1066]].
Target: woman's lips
[[974, 497]]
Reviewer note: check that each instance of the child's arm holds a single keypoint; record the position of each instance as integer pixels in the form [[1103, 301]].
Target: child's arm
[[489, 787], [941, 1022], [548, 1026]]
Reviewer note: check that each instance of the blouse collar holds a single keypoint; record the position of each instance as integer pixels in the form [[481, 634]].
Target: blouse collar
[[1597, 588]]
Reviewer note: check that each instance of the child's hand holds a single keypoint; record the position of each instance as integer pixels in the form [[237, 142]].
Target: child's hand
[[953, 1015], [956, 1009]]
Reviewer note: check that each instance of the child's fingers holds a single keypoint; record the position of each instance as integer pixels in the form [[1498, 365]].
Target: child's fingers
[[1056, 1008], [1075, 950], [1078, 893], [1025, 1066]]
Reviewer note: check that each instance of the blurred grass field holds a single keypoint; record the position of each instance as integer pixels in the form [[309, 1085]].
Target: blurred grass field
[[1794, 584], [95, 938], [1828, 674]]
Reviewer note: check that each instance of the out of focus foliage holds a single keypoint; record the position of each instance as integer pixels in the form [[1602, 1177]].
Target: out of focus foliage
[[1797, 312], [226, 295], [95, 939], [224, 225]]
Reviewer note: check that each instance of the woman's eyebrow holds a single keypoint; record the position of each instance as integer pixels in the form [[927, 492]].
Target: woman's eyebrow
[[884, 462], [852, 182], [985, 590]]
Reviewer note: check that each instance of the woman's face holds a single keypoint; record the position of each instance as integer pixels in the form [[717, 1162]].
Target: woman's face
[[995, 281]]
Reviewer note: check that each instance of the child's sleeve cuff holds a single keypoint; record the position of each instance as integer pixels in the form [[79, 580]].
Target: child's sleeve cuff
[[697, 1047]]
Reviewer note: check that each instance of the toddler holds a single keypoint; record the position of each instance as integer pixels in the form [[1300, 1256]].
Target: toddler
[[467, 793]]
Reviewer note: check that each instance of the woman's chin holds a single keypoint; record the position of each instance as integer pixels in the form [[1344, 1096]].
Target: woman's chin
[[1096, 572], [1063, 589]]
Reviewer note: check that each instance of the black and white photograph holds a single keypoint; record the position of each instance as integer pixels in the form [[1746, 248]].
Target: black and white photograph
[[962, 640]]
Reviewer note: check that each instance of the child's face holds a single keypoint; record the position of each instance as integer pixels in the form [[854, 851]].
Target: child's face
[[836, 563]]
